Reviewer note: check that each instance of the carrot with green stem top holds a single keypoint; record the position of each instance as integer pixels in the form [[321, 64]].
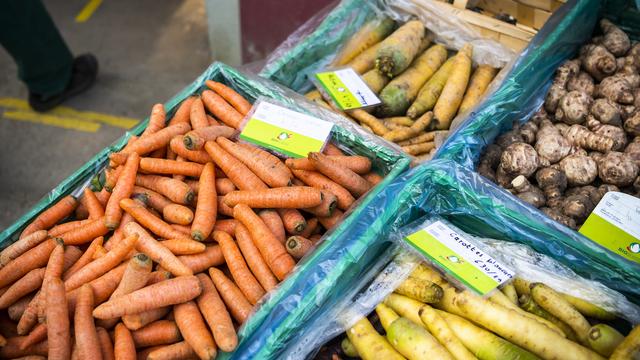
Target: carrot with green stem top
[[183, 112], [231, 96], [238, 173], [211, 256], [319, 181], [184, 246], [197, 114], [447, 105], [194, 330], [60, 210], [92, 204], [153, 249], [266, 166], [159, 332], [430, 92], [84, 327], [149, 220], [293, 197], [238, 306], [478, 84], [221, 109], [156, 120], [273, 222], [21, 246], [340, 174], [170, 167], [238, 268], [195, 139], [32, 259], [254, 260], [369, 34], [274, 253], [177, 214], [397, 51], [152, 142], [124, 347], [122, 190], [168, 292], [85, 233], [198, 156], [58, 329], [207, 206], [177, 191], [216, 315], [298, 246]]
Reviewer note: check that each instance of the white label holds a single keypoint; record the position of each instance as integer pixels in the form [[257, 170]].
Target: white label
[[347, 89], [621, 210]]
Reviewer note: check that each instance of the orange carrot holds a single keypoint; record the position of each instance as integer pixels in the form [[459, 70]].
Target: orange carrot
[[12, 349], [122, 190], [177, 214], [152, 142], [177, 351], [221, 109], [21, 246], [103, 196], [297, 246], [319, 181], [111, 177], [184, 246], [168, 292], [197, 115], [198, 156], [31, 259], [38, 334], [212, 121], [238, 173], [297, 182], [232, 97], [266, 166], [357, 164], [54, 269], [58, 329], [100, 252], [184, 229], [291, 197], [153, 249], [274, 223], [329, 203], [340, 174], [293, 221], [216, 315], [238, 268], [51, 216], [102, 287], [16, 310], [156, 120], [331, 149], [223, 208], [149, 220], [170, 167], [152, 198], [226, 225], [193, 328], [84, 259], [193, 184], [373, 178], [68, 226], [180, 177], [224, 186], [331, 221], [175, 190], [106, 346], [92, 204], [207, 206], [183, 112], [159, 332], [139, 320], [28, 283], [124, 347], [85, 233], [271, 249], [211, 256], [254, 260], [238, 306], [84, 328], [312, 226], [195, 139]]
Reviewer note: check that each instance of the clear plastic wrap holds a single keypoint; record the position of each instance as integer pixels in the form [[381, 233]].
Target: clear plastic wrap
[[399, 260], [320, 270]]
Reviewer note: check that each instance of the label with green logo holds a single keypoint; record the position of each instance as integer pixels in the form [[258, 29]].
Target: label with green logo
[[285, 131], [346, 88], [460, 258], [615, 224]]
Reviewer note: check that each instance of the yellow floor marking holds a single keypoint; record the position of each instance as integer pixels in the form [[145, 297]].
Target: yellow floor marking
[[65, 111], [88, 10], [67, 123]]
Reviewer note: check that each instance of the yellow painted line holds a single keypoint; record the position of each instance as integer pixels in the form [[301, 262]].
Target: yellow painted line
[[67, 123], [88, 10], [65, 111]]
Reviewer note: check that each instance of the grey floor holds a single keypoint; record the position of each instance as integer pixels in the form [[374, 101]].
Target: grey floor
[[148, 50]]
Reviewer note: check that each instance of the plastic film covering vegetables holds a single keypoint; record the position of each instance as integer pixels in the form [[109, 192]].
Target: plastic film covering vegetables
[[402, 272], [329, 255]]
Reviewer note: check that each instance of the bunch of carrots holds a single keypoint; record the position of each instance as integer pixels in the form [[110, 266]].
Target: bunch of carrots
[[189, 230]]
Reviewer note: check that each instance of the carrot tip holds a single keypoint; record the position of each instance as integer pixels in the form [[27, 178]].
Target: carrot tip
[[188, 142], [190, 197], [197, 235], [299, 228], [111, 225]]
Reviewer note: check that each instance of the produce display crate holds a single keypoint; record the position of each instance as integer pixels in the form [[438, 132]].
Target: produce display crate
[[335, 255]]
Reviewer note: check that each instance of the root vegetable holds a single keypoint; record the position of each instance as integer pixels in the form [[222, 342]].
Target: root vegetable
[[552, 181], [604, 339], [430, 92], [414, 341], [447, 105], [527, 303], [398, 50], [557, 215], [606, 111], [614, 132], [369, 344], [527, 192], [553, 97], [478, 84], [573, 108], [566, 72], [421, 290], [629, 348], [441, 331], [615, 40], [368, 35], [386, 315], [582, 82], [618, 169], [528, 132], [580, 169], [632, 124], [520, 159], [598, 61], [502, 178], [633, 150], [615, 88], [348, 349], [578, 207], [551, 145], [510, 137]]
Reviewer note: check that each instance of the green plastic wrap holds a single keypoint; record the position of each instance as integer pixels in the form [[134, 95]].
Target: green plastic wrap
[[337, 254]]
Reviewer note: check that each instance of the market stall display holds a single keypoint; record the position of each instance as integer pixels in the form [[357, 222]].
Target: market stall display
[[195, 201]]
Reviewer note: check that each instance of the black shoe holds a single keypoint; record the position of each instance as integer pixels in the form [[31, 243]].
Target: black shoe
[[84, 72]]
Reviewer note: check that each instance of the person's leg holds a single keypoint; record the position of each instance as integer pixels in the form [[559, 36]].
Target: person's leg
[[28, 33]]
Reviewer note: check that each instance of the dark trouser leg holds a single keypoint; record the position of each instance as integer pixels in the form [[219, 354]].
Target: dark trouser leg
[[28, 33]]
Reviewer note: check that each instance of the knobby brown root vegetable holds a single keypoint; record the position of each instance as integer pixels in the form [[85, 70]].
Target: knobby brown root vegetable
[[606, 111], [580, 169], [615, 40], [616, 88], [616, 133], [618, 169], [528, 192], [520, 159], [580, 136], [573, 108], [598, 61], [578, 207], [581, 82], [553, 182]]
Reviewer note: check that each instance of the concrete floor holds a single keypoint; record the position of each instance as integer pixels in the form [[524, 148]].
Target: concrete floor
[[148, 50]]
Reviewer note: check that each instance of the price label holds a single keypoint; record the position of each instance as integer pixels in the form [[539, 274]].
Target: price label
[[460, 258], [346, 88], [615, 224], [285, 131]]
